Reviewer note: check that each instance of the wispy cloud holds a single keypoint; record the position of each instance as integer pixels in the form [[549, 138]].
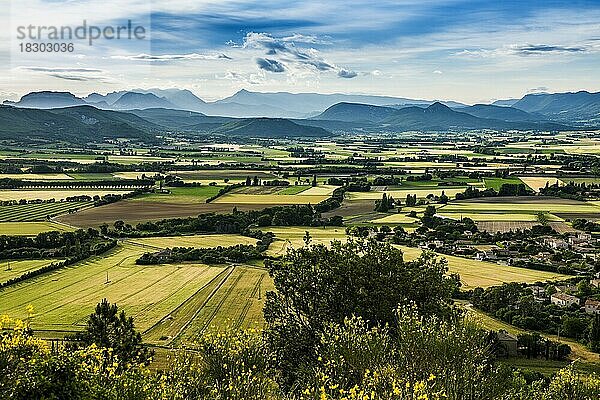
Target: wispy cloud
[[66, 73], [172, 57]]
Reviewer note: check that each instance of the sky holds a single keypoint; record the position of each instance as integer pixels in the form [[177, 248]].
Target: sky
[[469, 51]]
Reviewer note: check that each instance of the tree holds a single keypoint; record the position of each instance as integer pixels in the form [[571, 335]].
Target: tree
[[316, 285], [542, 218], [107, 328]]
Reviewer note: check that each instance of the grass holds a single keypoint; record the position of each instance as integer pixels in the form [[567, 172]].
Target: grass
[[181, 195], [579, 352], [496, 183], [30, 228], [64, 298], [9, 194], [235, 301], [38, 212], [474, 273], [19, 267]]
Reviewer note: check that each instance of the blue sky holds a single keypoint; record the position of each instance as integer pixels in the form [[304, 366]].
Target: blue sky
[[470, 51]]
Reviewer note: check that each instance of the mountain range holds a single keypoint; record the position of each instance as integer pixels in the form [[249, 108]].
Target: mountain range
[[575, 108], [144, 114]]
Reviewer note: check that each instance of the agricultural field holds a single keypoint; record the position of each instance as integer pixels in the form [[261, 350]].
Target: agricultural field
[[474, 273], [64, 298], [500, 216], [522, 205], [10, 269], [60, 194], [400, 218], [192, 241], [401, 193], [37, 177], [31, 228], [496, 183], [180, 195], [38, 212], [538, 182], [273, 199], [291, 236]]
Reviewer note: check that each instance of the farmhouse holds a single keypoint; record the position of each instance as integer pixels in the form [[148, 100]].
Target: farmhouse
[[563, 299], [508, 343], [555, 243], [592, 306]]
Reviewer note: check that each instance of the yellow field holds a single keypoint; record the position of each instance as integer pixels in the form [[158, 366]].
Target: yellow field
[[401, 193], [533, 207], [475, 273], [497, 216], [323, 190], [193, 241], [58, 194], [30, 228], [37, 177], [395, 219], [538, 182], [132, 174], [272, 199], [290, 236]]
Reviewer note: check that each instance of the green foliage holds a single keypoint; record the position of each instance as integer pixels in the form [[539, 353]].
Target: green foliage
[[107, 328], [317, 285]]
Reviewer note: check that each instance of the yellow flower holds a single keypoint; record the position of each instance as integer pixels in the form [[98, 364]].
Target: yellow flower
[[431, 377], [29, 309]]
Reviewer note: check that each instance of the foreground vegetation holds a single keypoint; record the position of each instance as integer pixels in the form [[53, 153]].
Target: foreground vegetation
[[362, 324]]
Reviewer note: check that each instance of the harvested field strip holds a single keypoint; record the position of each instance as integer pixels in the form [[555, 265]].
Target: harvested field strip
[[503, 226], [38, 212], [171, 325]]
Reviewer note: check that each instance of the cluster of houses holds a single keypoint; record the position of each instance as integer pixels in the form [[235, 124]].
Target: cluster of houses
[[563, 299], [580, 242]]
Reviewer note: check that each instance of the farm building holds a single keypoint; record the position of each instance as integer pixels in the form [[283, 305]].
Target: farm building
[[592, 306], [563, 299], [508, 343], [555, 243]]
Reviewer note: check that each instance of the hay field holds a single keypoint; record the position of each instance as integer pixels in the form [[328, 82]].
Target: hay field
[[31, 228], [474, 273], [59, 194]]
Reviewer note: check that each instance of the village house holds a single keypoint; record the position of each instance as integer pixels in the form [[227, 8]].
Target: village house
[[581, 239], [592, 306], [563, 299], [539, 292], [595, 282], [555, 243], [508, 343]]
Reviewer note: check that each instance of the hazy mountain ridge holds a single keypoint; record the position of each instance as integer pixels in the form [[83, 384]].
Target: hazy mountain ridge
[[581, 107]]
